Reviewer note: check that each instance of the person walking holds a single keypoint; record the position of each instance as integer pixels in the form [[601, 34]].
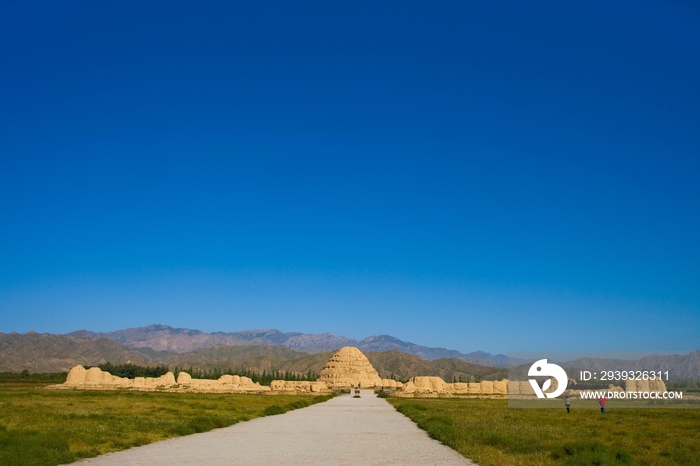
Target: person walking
[[567, 403], [602, 402]]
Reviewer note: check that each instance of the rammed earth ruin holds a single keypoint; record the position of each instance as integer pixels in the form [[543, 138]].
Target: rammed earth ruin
[[347, 368]]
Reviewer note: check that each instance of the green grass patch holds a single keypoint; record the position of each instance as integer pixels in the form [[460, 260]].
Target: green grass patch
[[491, 434], [40, 427]]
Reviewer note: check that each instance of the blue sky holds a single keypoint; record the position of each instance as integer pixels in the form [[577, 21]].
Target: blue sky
[[495, 176]]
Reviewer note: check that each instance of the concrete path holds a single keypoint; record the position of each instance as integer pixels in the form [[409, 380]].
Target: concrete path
[[342, 431]]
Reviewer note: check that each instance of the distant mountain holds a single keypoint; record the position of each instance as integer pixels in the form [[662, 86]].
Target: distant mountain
[[387, 343], [404, 365], [256, 357], [181, 340], [391, 363], [46, 353], [58, 353], [677, 365]]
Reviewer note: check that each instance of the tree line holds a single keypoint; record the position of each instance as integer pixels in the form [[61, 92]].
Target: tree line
[[131, 371], [26, 377], [263, 378]]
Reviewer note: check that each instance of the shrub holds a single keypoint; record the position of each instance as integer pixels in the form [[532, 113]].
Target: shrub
[[298, 404], [273, 410], [202, 424]]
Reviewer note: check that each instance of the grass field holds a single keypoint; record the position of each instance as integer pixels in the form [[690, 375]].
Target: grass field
[[491, 434], [48, 427]]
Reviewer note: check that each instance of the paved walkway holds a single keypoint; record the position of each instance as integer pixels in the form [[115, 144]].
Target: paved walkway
[[342, 431]]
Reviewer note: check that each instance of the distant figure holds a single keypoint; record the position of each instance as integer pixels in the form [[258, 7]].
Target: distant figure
[[567, 403], [602, 402]]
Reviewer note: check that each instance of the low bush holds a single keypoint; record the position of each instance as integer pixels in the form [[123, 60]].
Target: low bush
[[273, 410]]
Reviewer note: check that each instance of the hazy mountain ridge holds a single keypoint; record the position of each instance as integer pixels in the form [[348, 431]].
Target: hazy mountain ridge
[[181, 340], [387, 343], [405, 365], [58, 353], [677, 365], [46, 353], [256, 357]]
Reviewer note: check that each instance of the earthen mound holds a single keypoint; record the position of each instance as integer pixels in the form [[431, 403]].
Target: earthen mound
[[348, 367]]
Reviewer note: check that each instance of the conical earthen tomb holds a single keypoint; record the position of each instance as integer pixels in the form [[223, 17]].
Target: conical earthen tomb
[[348, 367]]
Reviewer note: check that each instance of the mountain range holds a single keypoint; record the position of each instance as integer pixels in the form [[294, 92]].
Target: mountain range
[[182, 340], [47, 353], [675, 364], [260, 350]]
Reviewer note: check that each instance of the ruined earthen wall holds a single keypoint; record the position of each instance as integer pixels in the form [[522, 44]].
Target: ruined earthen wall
[[96, 379]]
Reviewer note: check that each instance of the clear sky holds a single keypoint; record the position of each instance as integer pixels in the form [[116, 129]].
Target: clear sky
[[494, 176]]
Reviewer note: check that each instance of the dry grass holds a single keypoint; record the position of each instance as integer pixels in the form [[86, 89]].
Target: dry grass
[[491, 434], [48, 427]]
